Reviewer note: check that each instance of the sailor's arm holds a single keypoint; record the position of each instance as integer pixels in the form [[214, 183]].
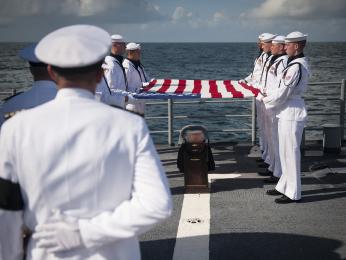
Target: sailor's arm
[[11, 204], [287, 83], [150, 201], [109, 71]]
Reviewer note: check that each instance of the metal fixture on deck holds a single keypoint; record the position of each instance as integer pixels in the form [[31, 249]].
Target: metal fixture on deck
[[195, 158]]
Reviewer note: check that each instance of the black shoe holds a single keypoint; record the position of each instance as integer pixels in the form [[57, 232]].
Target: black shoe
[[259, 160], [285, 200], [271, 179], [263, 165], [273, 193], [265, 173]]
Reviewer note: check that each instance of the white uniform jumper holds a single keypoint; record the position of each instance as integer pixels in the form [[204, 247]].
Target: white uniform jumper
[[100, 167], [254, 79], [40, 92], [104, 94], [292, 114], [261, 111], [112, 89], [136, 76], [272, 82]]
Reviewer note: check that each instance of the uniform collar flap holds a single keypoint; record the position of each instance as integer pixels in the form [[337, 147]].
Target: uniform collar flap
[[74, 92]]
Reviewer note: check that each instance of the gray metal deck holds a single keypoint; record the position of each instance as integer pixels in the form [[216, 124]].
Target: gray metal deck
[[247, 224]]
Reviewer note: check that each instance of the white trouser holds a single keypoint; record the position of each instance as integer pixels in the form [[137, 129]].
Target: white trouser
[[277, 172], [290, 136], [136, 105], [263, 133], [269, 117], [258, 121]]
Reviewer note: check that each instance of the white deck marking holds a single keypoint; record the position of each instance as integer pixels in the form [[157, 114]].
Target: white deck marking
[[192, 242]]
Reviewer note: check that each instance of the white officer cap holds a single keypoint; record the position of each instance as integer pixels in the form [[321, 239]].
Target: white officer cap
[[28, 53], [260, 36], [117, 38], [267, 37], [280, 39], [133, 46], [296, 37], [74, 46]]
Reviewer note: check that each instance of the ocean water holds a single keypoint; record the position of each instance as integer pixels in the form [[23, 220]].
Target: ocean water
[[209, 61]]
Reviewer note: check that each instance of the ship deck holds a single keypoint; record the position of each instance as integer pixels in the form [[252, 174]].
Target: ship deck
[[244, 222]]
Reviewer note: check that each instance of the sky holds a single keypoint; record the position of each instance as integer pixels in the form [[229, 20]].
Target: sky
[[176, 20]]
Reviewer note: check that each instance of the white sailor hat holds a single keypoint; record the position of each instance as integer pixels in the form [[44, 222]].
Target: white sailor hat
[[296, 37], [28, 53], [117, 38], [133, 46], [74, 46], [260, 36], [267, 37], [280, 39]]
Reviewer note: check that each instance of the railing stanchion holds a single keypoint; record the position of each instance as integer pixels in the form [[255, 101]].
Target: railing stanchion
[[342, 110], [253, 121], [170, 121]]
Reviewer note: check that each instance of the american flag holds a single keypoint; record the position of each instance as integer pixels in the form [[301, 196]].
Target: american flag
[[182, 88]]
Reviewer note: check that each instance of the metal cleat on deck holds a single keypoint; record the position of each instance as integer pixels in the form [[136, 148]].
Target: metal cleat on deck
[[195, 158]]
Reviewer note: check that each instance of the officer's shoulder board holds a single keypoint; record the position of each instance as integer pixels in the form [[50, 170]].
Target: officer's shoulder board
[[14, 95], [12, 114]]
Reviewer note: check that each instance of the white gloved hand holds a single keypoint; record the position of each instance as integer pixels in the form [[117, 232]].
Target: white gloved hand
[[260, 97], [58, 236], [130, 96], [145, 84], [61, 234]]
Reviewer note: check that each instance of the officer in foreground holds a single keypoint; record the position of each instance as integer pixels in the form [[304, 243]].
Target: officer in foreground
[[90, 178], [42, 90]]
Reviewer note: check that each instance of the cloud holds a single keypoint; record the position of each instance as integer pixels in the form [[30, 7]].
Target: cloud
[[183, 16], [298, 9], [114, 11], [180, 14]]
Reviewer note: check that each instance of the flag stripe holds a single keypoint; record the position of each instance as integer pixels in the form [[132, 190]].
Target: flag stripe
[[230, 88], [197, 86], [165, 85], [255, 91], [151, 84], [214, 89], [181, 86]]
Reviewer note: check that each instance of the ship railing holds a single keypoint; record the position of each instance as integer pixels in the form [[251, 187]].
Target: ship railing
[[171, 117], [172, 104]]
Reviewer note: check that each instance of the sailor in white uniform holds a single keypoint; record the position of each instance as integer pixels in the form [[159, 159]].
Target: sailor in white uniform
[[266, 46], [136, 76], [42, 90], [88, 179], [255, 79], [113, 88], [277, 64], [292, 115]]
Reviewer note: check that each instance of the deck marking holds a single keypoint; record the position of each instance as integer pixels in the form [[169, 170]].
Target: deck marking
[[192, 242]]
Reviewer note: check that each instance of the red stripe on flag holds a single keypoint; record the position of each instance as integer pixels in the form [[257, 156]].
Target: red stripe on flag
[[165, 85], [254, 90], [151, 84], [213, 89], [181, 86], [197, 86], [230, 88]]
